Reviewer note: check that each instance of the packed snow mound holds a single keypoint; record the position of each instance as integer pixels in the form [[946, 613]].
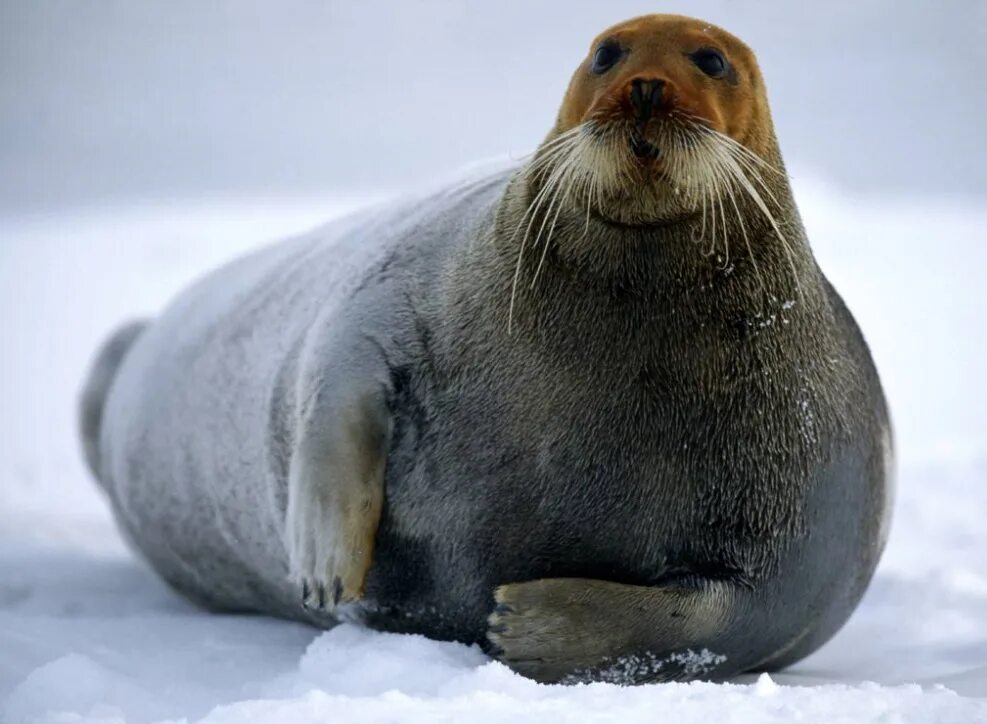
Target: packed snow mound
[[89, 634], [354, 675]]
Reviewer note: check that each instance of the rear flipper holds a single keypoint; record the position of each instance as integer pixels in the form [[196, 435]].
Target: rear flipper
[[101, 375], [573, 629]]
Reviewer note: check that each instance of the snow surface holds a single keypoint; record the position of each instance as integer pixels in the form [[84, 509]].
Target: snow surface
[[88, 633]]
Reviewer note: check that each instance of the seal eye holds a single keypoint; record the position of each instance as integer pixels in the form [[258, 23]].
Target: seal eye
[[710, 61], [606, 57]]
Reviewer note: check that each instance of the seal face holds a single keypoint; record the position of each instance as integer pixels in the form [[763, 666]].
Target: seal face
[[601, 413], [667, 103]]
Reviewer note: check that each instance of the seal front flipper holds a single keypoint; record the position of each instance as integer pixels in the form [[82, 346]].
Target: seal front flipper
[[576, 629], [336, 473]]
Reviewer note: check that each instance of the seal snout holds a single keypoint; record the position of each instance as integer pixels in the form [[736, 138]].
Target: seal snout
[[646, 97]]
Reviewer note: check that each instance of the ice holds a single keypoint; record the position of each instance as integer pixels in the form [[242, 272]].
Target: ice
[[87, 633]]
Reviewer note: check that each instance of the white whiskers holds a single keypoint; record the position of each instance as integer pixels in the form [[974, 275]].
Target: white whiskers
[[731, 168], [709, 173], [562, 165]]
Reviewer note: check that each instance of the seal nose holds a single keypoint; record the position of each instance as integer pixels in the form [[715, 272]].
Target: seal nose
[[646, 96]]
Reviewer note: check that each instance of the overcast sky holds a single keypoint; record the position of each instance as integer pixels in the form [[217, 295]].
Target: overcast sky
[[126, 99]]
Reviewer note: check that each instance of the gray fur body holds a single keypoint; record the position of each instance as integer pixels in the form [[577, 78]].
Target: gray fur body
[[677, 468]]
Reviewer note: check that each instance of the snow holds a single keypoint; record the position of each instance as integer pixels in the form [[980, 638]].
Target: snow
[[88, 633]]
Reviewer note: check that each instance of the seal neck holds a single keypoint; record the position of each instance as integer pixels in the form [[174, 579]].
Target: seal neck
[[663, 265]]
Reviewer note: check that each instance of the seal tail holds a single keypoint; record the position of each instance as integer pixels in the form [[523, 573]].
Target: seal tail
[[101, 375]]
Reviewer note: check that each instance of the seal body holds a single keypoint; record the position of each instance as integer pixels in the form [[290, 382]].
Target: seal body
[[199, 485], [665, 465]]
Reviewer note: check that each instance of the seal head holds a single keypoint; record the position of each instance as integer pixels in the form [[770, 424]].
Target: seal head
[[662, 111]]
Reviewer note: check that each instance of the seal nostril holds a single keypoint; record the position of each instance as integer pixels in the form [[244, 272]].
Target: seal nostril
[[646, 96], [657, 90], [641, 108]]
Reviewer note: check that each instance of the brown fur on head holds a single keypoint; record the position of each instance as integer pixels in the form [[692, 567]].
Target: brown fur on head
[[658, 121], [661, 47]]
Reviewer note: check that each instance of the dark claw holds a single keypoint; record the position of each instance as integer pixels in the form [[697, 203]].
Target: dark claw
[[337, 590], [306, 591], [497, 628], [503, 608], [322, 596]]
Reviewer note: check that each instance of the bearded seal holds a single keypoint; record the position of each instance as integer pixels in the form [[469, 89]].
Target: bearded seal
[[601, 412]]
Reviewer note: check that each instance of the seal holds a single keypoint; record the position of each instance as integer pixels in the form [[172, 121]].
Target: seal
[[600, 412]]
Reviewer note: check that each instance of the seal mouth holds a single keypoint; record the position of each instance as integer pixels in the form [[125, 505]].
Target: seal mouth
[[644, 225], [643, 149]]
